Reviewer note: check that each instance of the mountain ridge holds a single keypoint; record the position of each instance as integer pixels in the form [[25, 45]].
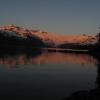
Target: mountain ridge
[[49, 39]]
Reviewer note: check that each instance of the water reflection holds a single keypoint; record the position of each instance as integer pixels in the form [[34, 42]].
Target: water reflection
[[54, 75], [41, 57], [92, 94]]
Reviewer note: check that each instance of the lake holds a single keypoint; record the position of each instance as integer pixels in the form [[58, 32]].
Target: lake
[[41, 75]]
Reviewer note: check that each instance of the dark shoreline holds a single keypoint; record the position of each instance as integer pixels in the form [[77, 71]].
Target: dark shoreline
[[47, 49]]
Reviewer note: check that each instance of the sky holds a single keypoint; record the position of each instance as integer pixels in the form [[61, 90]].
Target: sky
[[58, 16]]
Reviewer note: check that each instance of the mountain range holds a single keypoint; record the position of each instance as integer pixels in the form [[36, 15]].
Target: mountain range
[[18, 36]]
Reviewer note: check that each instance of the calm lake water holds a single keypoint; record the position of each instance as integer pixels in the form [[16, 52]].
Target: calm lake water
[[45, 75]]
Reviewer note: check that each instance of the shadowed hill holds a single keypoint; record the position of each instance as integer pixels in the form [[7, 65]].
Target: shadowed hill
[[16, 40]]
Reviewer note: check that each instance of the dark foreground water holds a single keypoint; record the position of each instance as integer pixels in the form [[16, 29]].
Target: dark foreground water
[[38, 75]]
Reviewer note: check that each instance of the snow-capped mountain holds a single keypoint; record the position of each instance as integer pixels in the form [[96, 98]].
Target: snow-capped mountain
[[51, 39]]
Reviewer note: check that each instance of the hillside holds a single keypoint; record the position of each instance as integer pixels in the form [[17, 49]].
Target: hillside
[[15, 36]]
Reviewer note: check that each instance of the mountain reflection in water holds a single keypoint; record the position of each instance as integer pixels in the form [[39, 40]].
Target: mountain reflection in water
[[24, 58], [54, 75]]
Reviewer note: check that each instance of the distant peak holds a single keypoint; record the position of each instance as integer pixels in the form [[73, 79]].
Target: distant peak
[[11, 26], [84, 34]]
